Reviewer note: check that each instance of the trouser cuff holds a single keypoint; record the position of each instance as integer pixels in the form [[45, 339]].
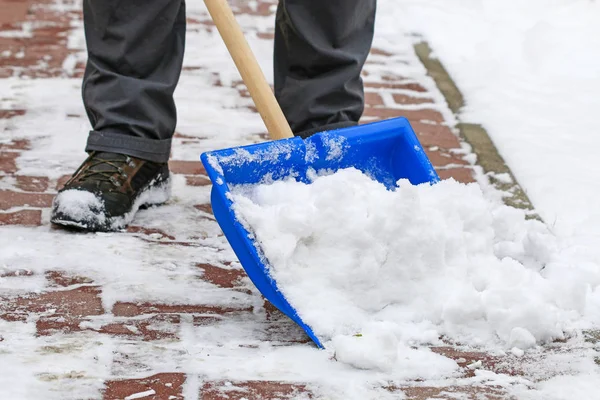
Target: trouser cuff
[[144, 148]]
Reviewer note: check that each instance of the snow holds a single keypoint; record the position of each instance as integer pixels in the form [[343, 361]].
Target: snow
[[529, 74], [141, 395], [80, 205], [385, 269], [521, 338], [536, 52]]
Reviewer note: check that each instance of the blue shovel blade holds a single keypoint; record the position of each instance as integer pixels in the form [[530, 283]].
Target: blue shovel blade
[[386, 151]]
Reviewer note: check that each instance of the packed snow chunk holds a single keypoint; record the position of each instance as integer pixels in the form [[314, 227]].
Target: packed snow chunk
[[375, 348], [517, 352], [378, 348], [521, 339], [80, 205], [426, 260]]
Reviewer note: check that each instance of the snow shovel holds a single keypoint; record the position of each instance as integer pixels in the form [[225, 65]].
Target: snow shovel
[[386, 151]]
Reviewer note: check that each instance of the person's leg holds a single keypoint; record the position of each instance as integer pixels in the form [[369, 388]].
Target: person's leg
[[320, 49], [135, 54]]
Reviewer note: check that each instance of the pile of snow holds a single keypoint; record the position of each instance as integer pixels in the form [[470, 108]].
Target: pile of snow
[[373, 271]]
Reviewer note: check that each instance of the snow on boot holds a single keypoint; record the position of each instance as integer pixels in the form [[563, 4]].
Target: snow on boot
[[107, 190]]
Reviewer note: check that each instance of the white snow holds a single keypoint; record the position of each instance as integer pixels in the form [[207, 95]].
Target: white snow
[[512, 92], [80, 205], [530, 75], [427, 260], [141, 395], [521, 338]]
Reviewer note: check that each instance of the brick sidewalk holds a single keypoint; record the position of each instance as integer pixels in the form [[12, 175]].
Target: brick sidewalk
[[40, 40]]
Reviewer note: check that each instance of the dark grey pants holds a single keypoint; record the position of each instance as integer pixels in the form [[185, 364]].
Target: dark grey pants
[[135, 54]]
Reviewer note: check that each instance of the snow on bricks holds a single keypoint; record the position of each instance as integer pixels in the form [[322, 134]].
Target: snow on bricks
[[253, 390], [35, 38], [159, 386], [66, 304], [165, 302]]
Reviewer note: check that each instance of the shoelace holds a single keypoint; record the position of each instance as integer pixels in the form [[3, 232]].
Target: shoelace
[[107, 175]]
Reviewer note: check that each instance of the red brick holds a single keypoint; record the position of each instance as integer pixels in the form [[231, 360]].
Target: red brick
[[32, 183], [190, 142], [464, 175], [272, 312], [205, 320], [16, 273], [197, 180], [373, 99], [435, 135], [489, 362], [9, 199], [194, 68], [379, 52], [285, 332], [79, 302], [245, 93], [226, 278], [191, 242], [48, 325], [61, 181], [263, 390], [157, 327], [18, 144], [82, 301], [6, 114], [187, 167], [455, 392], [165, 386], [23, 217], [48, 39], [35, 49], [404, 99], [392, 77], [149, 231], [207, 208], [396, 85], [262, 8], [8, 162], [411, 115], [131, 310], [280, 329], [266, 35], [441, 157], [63, 279], [178, 135], [13, 11], [207, 22]]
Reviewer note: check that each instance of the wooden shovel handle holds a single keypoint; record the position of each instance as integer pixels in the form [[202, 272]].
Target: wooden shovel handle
[[246, 63]]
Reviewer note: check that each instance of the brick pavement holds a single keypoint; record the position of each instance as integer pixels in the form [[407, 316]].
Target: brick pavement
[[34, 45]]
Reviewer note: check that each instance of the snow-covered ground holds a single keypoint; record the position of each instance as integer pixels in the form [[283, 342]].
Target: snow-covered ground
[[529, 74]]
